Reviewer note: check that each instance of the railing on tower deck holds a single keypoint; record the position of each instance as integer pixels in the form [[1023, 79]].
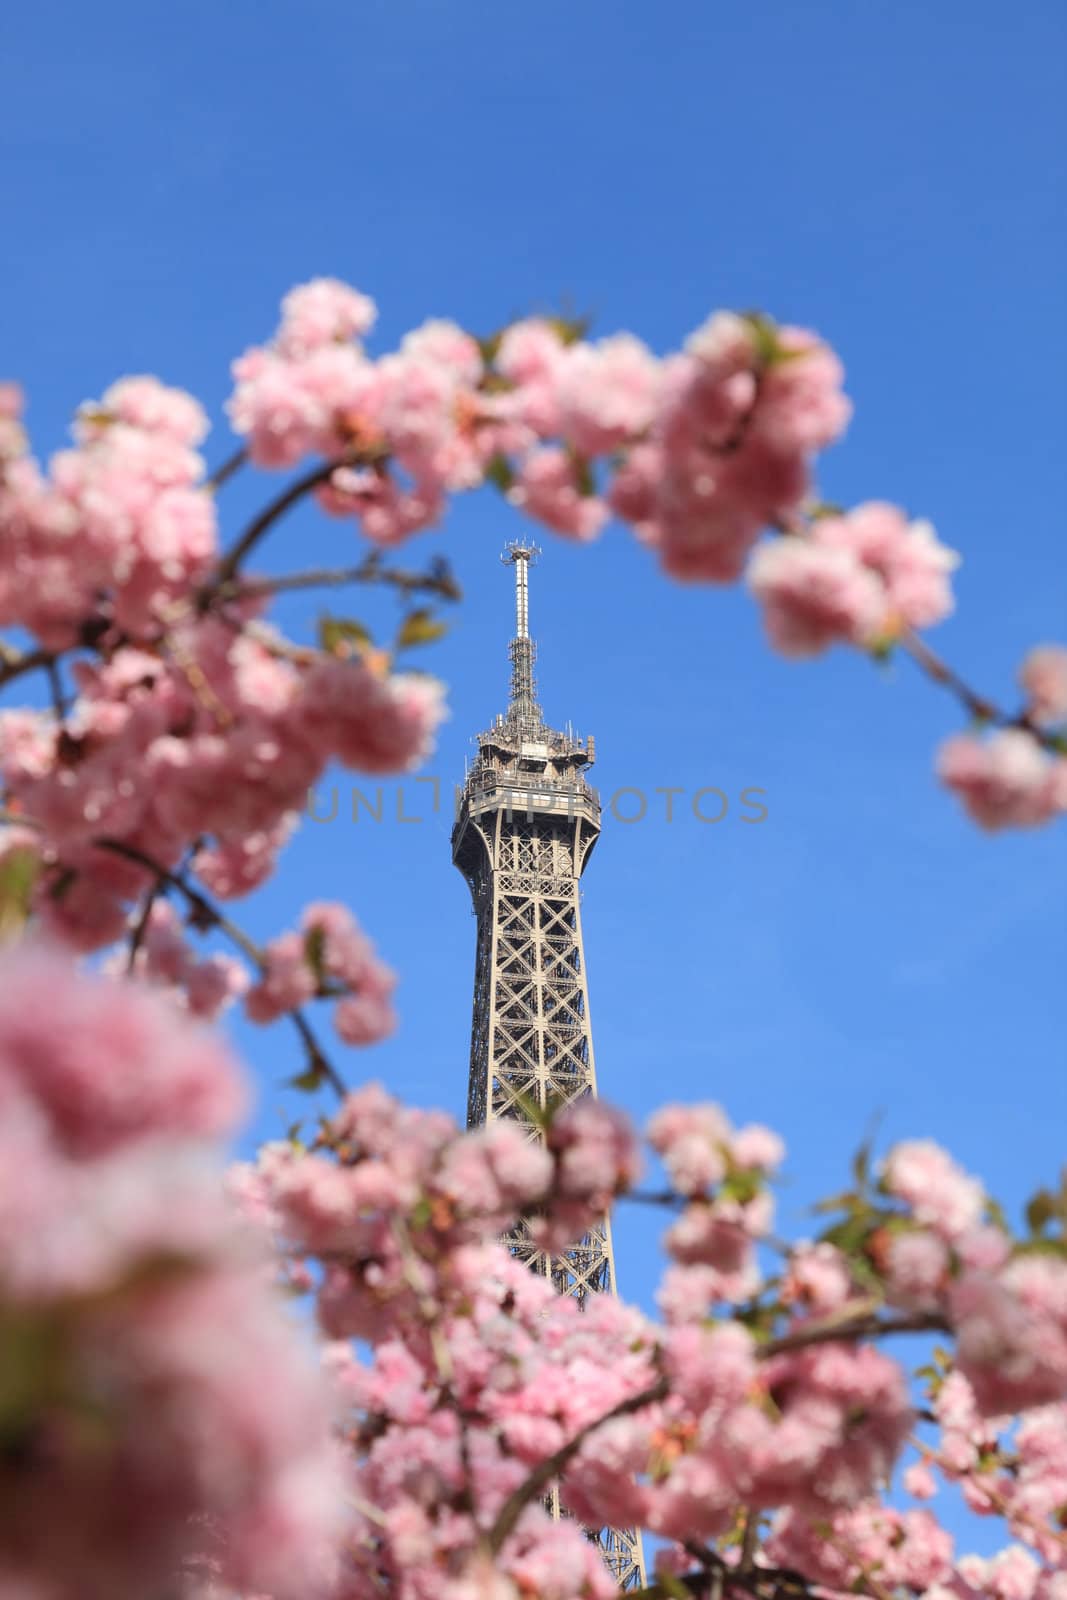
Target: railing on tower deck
[[485, 787]]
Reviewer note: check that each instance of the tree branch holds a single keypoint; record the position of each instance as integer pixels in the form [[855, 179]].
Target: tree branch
[[226, 469], [868, 1325], [207, 914], [553, 1465], [270, 514]]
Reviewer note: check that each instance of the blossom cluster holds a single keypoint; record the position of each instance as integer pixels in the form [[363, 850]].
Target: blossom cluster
[[139, 1330], [194, 730], [771, 1397], [465, 1389], [330, 955]]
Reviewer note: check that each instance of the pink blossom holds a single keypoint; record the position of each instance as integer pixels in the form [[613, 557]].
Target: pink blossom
[[367, 1017], [870, 1543], [120, 1258], [107, 1065], [713, 1367], [801, 405], [938, 1192], [757, 1147], [547, 488], [694, 1143], [597, 1157], [920, 1482], [1010, 1575], [817, 1277], [1011, 1333], [375, 723], [912, 563], [607, 393], [321, 312], [287, 981], [1004, 781], [917, 1269], [815, 595], [146, 403], [1043, 675]]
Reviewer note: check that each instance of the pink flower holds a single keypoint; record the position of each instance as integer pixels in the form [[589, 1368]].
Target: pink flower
[[912, 563], [322, 312], [1011, 1333], [367, 1017], [757, 1147], [917, 1269], [146, 403], [817, 1277], [547, 488], [1005, 781], [814, 595], [1043, 675], [607, 393], [287, 981], [119, 1256], [375, 723], [801, 405], [919, 1481], [713, 1367], [693, 1142], [105, 1064], [939, 1194]]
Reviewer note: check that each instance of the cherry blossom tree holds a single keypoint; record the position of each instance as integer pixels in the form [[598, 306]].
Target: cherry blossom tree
[[167, 1426]]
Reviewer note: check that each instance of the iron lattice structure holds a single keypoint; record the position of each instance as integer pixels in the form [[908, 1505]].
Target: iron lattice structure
[[525, 829]]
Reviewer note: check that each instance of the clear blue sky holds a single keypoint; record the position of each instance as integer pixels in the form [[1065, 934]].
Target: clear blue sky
[[885, 170]]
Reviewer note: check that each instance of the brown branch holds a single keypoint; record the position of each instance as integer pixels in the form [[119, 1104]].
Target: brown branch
[[440, 582], [141, 927], [226, 469], [206, 914], [866, 1326], [14, 663], [553, 1465], [266, 519]]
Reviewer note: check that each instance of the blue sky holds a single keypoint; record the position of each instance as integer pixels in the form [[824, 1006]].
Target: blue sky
[[887, 173]]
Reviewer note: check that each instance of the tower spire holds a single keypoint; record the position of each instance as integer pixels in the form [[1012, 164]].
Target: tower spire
[[524, 714]]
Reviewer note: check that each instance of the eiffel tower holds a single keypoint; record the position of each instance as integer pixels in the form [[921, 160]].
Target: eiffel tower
[[526, 825]]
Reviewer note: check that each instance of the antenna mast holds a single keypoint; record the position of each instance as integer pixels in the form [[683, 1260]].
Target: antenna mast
[[523, 709]]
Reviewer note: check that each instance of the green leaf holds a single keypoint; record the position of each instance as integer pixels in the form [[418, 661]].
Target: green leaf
[[670, 1584], [315, 952], [309, 1080], [337, 633], [583, 474], [1040, 1211], [18, 874], [569, 330], [489, 345], [499, 472], [764, 333], [835, 1202], [420, 627]]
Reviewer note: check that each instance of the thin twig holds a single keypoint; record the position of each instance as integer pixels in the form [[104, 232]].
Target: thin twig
[[270, 514], [542, 1475], [141, 927], [369, 571], [225, 471], [208, 915], [14, 663], [867, 1326]]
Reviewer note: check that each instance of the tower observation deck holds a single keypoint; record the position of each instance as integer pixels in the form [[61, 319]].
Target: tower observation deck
[[525, 829]]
